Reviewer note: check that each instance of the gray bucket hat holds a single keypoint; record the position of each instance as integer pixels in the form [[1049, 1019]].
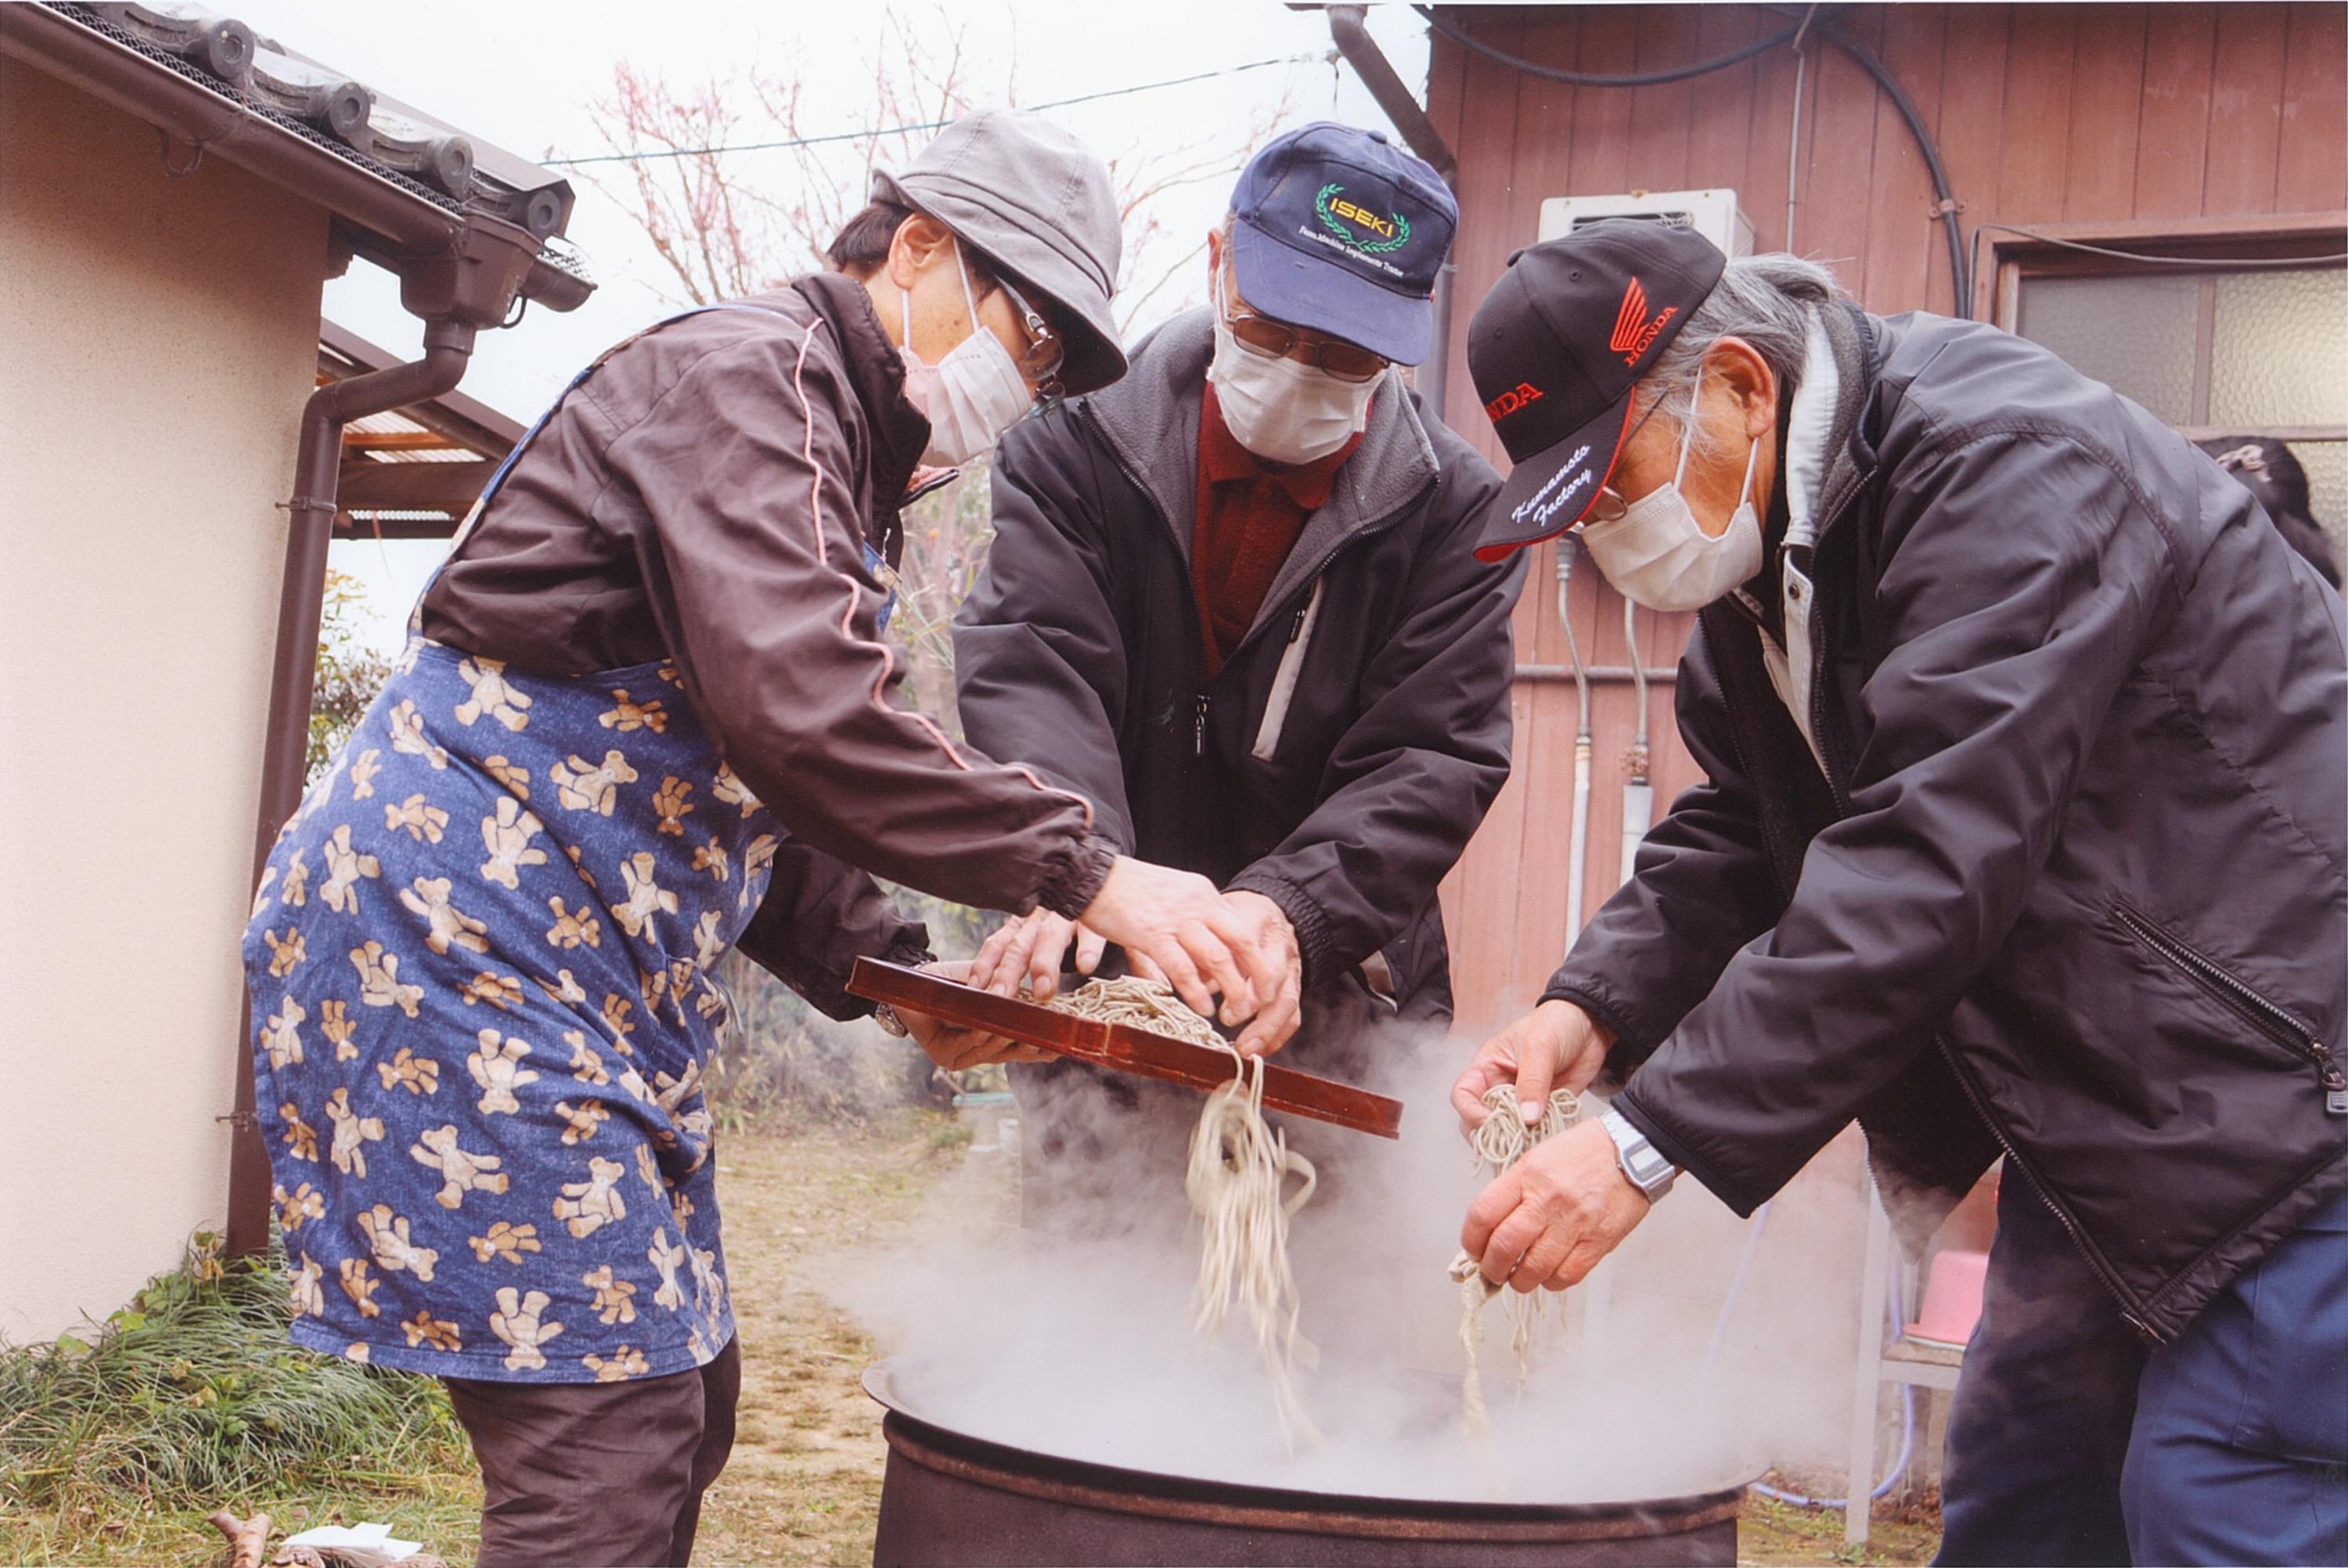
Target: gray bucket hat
[[1035, 202]]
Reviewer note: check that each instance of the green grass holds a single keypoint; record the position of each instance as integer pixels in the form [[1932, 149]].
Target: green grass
[[116, 1443], [1777, 1533]]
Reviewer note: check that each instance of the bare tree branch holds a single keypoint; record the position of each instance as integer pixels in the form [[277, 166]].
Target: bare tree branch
[[727, 224]]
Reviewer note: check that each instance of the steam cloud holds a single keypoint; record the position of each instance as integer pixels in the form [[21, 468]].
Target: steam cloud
[[1081, 1345]]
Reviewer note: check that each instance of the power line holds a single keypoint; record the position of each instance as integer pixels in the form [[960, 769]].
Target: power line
[[923, 125], [2209, 263]]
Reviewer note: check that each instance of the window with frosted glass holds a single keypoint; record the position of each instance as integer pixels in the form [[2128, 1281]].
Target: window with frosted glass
[[2216, 353]]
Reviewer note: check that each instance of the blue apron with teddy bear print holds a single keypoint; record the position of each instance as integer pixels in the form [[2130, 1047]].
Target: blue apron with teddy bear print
[[480, 966]]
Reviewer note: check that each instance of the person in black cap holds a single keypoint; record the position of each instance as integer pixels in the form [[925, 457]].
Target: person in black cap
[[1232, 603], [2024, 831]]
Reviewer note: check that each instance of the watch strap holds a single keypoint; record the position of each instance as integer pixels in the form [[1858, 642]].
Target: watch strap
[[1643, 1166]]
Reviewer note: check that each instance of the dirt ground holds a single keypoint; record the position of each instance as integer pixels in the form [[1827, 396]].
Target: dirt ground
[[804, 1485]]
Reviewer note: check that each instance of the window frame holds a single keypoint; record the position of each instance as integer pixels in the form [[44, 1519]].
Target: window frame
[[2016, 258]]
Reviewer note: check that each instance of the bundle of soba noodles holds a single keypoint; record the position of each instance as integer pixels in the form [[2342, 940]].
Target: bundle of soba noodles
[[1499, 1141], [1238, 1167]]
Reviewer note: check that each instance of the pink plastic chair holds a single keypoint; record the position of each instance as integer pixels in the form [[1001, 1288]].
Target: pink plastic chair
[[1952, 1297]]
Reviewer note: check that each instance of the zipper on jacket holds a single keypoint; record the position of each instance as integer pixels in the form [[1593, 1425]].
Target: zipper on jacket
[[2247, 1004], [1832, 765], [2079, 1242], [1198, 728]]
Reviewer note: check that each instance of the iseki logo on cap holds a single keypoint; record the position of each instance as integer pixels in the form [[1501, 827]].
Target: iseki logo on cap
[[1341, 217], [1393, 231]]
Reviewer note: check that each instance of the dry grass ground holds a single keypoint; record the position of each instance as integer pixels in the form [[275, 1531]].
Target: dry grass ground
[[1772, 1532], [804, 1485]]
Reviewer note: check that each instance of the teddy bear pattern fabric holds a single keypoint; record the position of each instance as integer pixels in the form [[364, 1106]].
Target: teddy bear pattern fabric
[[480, 966]]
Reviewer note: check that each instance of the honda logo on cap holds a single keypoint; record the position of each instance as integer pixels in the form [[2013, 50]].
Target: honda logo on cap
[[1508, 402], [1633, 331]]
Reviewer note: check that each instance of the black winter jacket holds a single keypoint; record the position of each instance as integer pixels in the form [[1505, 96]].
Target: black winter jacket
[[1341, 758], [2075, 880]]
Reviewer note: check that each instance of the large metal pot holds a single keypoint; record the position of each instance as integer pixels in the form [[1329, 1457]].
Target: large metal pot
[[953, 1498]]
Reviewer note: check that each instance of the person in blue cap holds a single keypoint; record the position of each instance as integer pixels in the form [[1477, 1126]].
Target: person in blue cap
[[1232, 602]]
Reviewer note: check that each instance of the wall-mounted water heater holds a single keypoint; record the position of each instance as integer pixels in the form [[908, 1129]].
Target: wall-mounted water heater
[[1711, 213]]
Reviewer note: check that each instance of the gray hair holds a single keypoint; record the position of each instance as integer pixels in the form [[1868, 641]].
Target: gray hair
[[1764, 301]]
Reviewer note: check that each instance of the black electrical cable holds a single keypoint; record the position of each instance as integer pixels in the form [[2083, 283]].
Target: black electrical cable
[[1467, 40], [1946, 203]]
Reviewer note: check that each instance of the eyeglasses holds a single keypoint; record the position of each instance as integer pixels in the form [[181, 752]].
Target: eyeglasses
[[1609, 506], [1040, 361], [1278, 340]]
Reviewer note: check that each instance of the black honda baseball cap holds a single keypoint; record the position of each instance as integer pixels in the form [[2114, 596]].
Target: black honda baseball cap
[[1556, 348]]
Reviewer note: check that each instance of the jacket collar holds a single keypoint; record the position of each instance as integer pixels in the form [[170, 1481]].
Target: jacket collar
[[1809, 432], [876, 373], [1151, 420], [1838, 458]]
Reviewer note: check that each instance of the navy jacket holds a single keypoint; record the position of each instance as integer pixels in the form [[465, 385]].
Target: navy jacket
[[2073, 882]]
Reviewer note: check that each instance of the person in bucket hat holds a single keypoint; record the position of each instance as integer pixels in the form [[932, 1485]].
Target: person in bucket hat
[[646, 719], [2024, 835], [1230, 604]]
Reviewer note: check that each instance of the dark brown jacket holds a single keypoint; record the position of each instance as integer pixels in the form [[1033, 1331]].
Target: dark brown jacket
[[706, 495]]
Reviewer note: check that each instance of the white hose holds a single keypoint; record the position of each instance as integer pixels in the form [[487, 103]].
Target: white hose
[[1638, 795], [1578, 844]]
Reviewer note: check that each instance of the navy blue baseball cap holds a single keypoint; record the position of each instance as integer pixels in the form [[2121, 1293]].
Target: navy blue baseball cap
[[1336, 230]]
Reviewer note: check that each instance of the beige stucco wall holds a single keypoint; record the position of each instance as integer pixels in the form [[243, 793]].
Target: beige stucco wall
[[157, 339]]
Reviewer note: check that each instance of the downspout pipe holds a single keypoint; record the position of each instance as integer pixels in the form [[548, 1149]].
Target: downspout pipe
[[317, 474], [1348, 29]]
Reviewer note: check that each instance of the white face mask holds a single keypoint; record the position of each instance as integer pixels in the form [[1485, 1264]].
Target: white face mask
[[1656, 554], [1280, 409], [973, 394]]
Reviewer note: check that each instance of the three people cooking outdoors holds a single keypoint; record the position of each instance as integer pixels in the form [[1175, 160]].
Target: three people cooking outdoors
[[2023, 832]]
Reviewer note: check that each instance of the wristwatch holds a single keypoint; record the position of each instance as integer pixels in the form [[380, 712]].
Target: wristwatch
[[1642, 1163], [886, 1017]]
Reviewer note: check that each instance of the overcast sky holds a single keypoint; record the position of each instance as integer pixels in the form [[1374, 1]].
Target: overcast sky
[[520, 74]]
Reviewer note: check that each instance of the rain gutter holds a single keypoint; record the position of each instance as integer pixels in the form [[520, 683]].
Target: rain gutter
[[458, 269]]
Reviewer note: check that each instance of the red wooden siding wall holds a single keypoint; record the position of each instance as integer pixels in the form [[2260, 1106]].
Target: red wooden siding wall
[[2045, 114]]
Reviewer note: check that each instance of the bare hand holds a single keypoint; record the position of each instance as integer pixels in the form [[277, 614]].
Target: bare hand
[[954, 1047], [1029, 951], [1555, 1046], [1268, 929], [1190, 932], [1545, 1222]]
